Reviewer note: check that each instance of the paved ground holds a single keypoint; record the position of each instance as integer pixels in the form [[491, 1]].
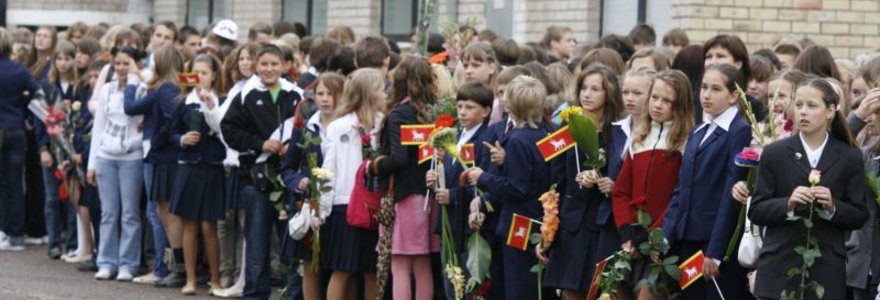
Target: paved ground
[[31, 275]]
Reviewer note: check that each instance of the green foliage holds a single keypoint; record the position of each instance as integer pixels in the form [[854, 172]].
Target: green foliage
[[479, 260], [586, 135], [874, 184]]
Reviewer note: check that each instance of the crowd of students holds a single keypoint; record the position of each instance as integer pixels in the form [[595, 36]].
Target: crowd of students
[[179, 183]]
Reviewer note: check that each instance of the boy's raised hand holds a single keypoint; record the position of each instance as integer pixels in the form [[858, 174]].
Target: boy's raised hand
[[496, 152]]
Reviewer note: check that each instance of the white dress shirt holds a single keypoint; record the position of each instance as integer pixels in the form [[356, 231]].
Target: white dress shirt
[[723, 120]]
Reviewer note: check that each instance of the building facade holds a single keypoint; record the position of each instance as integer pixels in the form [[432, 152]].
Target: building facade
[[847, 27]]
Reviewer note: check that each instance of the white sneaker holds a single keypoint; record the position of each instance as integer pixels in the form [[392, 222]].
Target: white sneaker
[[124, 275], [75, 259], [103, 274], [66, 256], [3, 236], [7, 245], [36, 240]]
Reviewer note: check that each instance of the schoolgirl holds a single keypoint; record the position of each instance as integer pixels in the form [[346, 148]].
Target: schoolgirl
[[295, 169], [518, 184], [650, 170], [349, 250], [199, 182], [818, 169], [115, 166], [585, 210], [157, 106], [60, 84], [702, 215]]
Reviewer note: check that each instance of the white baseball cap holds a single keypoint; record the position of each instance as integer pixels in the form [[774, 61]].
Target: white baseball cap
[[226, 29]]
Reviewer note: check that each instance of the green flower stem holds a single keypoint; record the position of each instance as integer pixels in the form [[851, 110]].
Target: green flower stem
[[540, 275], [809, 247], [488, 205], [741, 220]]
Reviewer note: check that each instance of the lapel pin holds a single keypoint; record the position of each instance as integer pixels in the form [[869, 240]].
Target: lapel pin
[[797, 155]]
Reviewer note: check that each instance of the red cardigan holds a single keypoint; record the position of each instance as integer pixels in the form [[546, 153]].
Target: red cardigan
[[647, 178]]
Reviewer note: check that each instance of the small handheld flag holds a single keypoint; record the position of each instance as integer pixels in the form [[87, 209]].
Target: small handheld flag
[[556, 143], [415, 135], [426, 153], [188, 79], [467, 153], [691, 269], [594, 284], [520, 229]]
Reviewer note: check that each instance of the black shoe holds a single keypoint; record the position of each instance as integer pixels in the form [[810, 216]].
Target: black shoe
[[88, 267], [54, 253], [172, 280]]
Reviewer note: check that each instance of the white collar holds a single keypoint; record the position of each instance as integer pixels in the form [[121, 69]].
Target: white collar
[[813, 156], [193, 97], [625, 124], [254, 83], [312, 71], [723, 120], [467, 134], [315, 122]]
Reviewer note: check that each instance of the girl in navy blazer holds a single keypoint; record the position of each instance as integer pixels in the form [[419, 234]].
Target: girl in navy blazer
[[199, 182], [701, 213], [784, 195], [574, 255], [518, 185], [295, 170]]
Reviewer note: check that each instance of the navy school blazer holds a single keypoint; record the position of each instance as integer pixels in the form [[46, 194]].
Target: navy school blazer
[[209, 150], [295, 165], [518, 185], [460, 197], [701, 208]]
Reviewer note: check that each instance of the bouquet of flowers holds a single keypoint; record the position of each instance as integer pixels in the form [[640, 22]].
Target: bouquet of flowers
[[762, 134], [457, 37], [318, 183]]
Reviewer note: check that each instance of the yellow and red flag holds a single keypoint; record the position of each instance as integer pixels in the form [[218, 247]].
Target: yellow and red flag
[[415, 135], [426, 153], [188, 79], [594, 283], [520, 229], [691, 269], [556, 143], [467, 153]]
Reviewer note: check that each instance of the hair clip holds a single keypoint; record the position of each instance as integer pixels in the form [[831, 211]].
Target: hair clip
[[797, 155]]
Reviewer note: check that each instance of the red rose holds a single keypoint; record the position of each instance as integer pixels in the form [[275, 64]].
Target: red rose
[[298, 123], [366, 139], [484, 289], [789, 126], [444, 120], [749, 154]]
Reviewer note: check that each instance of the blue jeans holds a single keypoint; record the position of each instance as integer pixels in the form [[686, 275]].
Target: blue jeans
[[259, 214], [119, 184], [13, 147], [160, 240], [52, 213]]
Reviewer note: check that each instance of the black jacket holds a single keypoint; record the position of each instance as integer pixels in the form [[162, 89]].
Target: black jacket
[[784, 166], [252, 117], [401, 161]]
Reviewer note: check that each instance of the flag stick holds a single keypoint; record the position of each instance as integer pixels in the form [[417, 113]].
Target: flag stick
[[718, 288], [428, 192], [577, 161]]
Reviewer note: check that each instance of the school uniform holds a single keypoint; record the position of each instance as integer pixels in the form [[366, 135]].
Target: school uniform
[[518, 184], [701, 213], [785, 165], [609, 238], [345, 247], [494, 133], [157, 106], [82, 144], [646, 181], [295, 168], [199, 181], [863, 246], [251, 119], [460, 196]]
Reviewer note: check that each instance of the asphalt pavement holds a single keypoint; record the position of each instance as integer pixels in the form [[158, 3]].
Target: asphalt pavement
[[30, 274]]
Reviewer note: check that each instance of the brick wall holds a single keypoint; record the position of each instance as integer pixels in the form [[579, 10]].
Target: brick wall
[[64, 12], [532, 17], [173, 10], [363, 16], [246, 13], [846, 27]]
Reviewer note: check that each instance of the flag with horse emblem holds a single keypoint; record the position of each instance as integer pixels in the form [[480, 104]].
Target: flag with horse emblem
[[556, 143]]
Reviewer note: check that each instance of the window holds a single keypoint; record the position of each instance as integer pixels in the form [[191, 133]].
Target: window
[[201, 13], [312, 13], [399, 18]]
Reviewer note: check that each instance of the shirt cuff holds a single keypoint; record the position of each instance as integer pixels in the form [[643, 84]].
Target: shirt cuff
[[717, 262], [791, 216]]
